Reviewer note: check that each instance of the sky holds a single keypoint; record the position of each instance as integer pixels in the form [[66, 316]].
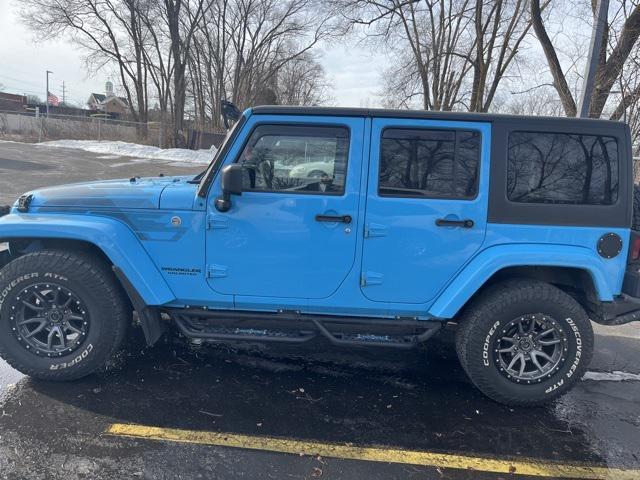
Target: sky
[[353, 71]]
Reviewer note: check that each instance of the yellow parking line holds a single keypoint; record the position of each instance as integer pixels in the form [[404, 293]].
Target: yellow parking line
[[532, 467]]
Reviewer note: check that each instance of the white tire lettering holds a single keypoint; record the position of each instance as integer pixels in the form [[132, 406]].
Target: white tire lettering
[[487, 344], [75, 361], [55, 276], [7, 290], [576, 361], [555, 386]]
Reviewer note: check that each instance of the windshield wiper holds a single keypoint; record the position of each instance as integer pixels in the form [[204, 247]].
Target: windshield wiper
[[198, 178]]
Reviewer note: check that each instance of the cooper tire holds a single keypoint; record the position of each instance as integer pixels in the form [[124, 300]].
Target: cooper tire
[[487, 330], [90, 302]]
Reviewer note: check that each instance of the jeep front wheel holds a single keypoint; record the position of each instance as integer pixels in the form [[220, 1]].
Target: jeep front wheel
[[62, 314], [524, 342]]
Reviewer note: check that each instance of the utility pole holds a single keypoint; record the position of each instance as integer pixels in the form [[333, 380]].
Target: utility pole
[[47, 95], [63, 92], [599, 23]]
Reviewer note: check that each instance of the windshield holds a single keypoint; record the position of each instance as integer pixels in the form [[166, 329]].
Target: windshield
[[205, 178]]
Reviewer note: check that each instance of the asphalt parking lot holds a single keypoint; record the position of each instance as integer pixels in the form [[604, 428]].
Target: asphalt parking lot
[[217, 411]]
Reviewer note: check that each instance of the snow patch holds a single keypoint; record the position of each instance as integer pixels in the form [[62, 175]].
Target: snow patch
[[120, 149], [615, 376]]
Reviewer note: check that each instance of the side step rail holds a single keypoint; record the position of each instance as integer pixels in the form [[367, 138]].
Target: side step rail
[[295, 327], [195, 329], [408, 341]]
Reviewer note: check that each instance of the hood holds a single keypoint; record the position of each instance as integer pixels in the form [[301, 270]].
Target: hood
[[133, 193]]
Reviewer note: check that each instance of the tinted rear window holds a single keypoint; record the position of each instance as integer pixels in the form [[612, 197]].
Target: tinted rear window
[[429, 163], [562, 168]]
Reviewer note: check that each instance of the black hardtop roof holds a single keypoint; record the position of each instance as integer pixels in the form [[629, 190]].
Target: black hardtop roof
[[418, 114]]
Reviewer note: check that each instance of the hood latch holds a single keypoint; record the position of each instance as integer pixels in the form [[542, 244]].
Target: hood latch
[[24, 201]]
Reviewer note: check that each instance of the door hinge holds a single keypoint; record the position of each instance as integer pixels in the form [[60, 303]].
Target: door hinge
[[375, 230], [216, 271], [217, 221], [371, 278]]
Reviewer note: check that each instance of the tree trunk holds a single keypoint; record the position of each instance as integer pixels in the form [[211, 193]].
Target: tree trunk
[[559, 79]]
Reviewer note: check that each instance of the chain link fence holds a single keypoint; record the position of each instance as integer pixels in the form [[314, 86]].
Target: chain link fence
[[27, 127]]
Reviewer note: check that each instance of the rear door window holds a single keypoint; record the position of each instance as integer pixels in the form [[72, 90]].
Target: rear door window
[[562, 168], [429, 163]]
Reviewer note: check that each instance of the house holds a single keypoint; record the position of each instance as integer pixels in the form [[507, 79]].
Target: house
[[108, 102], [13, 103]]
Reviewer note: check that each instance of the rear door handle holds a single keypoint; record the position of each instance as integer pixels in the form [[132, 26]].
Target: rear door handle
[[334, 218], [442, 222]]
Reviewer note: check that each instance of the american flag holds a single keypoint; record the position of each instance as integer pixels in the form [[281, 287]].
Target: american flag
[[52, 99]]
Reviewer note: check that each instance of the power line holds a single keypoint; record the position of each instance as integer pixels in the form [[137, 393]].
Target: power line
[[64, 87], [22, 90], [33, 84], [18, 70]]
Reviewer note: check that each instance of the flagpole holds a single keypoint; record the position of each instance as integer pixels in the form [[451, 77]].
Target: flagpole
[[47, 97]]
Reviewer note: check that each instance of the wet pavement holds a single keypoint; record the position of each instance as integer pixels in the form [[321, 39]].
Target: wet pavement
[[417, 401]]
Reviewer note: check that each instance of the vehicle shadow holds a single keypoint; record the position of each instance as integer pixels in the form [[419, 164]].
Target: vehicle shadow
[[416, 399]]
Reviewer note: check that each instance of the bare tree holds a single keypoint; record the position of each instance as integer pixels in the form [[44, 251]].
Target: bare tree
[[451, 53], [540, 100], [159, 62], [427, 40], [258, 51], [619, 46], [500, 28], [270, 34], [182, 18], [108, 31], [187, 55], [302, 81]]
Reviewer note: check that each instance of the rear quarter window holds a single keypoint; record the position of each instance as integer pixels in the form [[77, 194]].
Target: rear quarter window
[[562, 168]]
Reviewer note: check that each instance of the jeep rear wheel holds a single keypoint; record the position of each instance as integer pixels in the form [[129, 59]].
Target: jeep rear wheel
[[62, 314], [524, 342]]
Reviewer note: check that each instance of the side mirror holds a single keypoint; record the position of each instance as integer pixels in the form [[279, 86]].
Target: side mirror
[[231, 181]]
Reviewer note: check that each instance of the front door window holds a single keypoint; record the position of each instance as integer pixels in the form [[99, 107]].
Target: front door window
[[296, 159]]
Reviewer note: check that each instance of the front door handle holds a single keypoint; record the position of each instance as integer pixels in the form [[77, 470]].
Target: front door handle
[[443, 222], [334, 218]]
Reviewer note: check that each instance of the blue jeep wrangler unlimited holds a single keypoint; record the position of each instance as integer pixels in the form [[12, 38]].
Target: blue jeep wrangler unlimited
[[366, 227]]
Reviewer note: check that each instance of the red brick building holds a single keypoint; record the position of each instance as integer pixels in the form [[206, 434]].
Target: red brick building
[[12, 102]]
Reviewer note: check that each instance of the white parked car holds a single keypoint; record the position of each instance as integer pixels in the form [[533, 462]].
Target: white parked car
[[311, 170]]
